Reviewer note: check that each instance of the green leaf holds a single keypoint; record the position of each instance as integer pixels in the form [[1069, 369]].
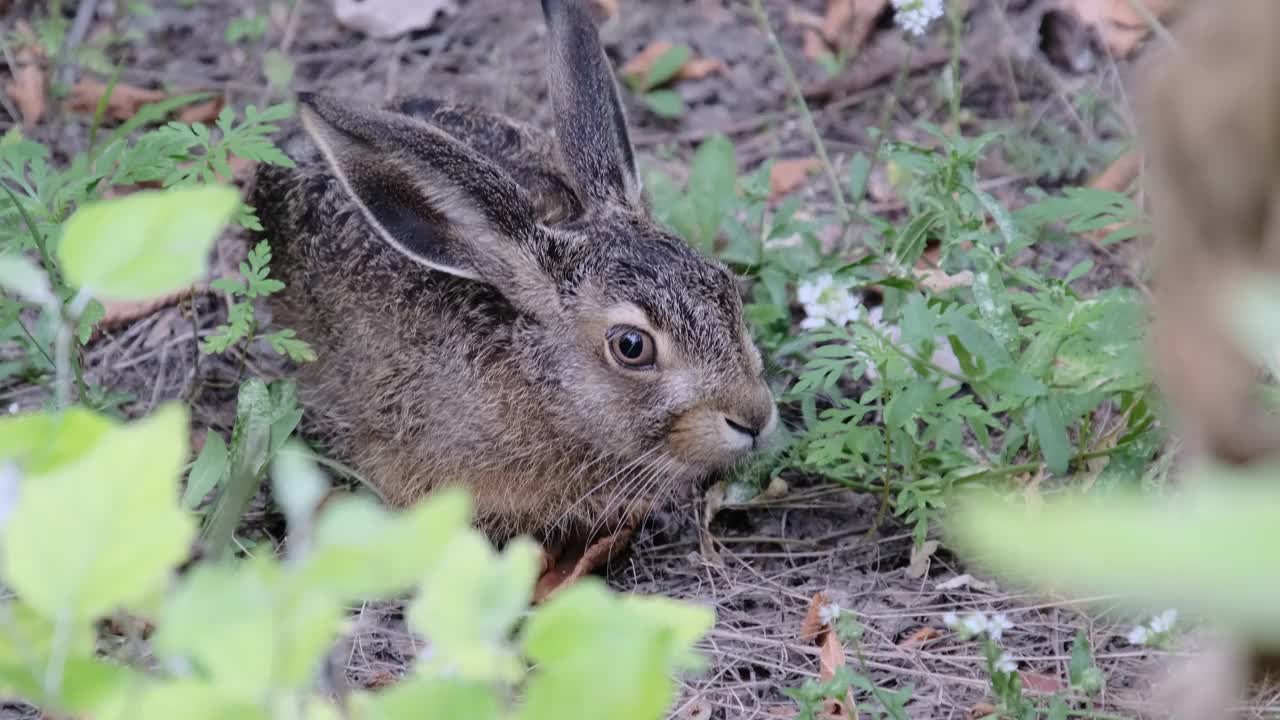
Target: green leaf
[[711, 189], [1208, 551], [445, 697], [210, 470], [665, 103], [42, 442], [278, 68], [1081, 659], [361, 550], [187, 699], [903, 405], [296, 485], [584, 628], [859, 171], [75, 547], [22, 277], [470, 601], [667, 65], [250, 451], [1051, 432], [146, 244]]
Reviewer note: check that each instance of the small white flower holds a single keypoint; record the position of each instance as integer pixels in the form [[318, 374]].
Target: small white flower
[[997, 625], [950, 619], [828, 613], [1139, 635], [974, 623], [1005, 663], [13, 408], [824, 301], [1164, 622], [914, 16], [10, 479]]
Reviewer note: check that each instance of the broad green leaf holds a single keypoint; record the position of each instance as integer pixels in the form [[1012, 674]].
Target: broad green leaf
[[992, 299], [22, 277], [250, 448], [859, 171], [1209, 551], [667, 65], [446, 698], [361, 550], [146, 244], [187, 699], [297, 486], [470, 601], [1051, 433], [75, 547], [248, 627], [583, 629], [40, 442], [210, 469], [665, 103]]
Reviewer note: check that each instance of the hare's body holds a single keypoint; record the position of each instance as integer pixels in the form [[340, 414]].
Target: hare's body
[[494, 309]]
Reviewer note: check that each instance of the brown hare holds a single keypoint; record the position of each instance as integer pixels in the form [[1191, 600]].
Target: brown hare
[[494, 307]]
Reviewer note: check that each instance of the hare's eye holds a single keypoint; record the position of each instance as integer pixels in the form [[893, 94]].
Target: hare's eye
[[632, 347]]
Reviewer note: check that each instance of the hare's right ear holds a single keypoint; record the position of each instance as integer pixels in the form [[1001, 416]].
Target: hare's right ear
[[591, 126], [434, 199]]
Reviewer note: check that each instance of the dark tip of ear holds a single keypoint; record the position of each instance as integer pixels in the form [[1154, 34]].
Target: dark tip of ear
[[549, 7], [307, 98]]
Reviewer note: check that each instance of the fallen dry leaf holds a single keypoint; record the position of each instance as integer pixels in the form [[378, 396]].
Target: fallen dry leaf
[[694, 68], [117, 314], [1041, 683], [1120, 173], [575, 560], [778, 488], [814, 46], [26, 89], [982, 710], [938, 281], [787, 175], [920, 637], [812, 628], [848, 22], [125, 101], [205, 112], [830, 657], [387, 19], [1120, 25]]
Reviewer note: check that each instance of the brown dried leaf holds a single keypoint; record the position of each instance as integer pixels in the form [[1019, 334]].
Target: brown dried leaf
[[1041, 683], [814, 46], [812, 629], [26, 89], [982, 710], [564, 565], [695, 68], [205, 112], [1118, 23], [939, 281], [920, 636], [698, 68], [830, 657], [920, 559], [125, 101], [787, 175], [848, 22]]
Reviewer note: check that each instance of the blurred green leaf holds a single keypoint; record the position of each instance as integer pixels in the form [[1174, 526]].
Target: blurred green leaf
[[667, 65], [665, 103], [210, 470], [75, 549], [146, 244]]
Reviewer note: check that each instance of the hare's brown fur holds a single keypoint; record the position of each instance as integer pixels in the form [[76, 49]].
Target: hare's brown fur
[[1212, 120], [459, 274]]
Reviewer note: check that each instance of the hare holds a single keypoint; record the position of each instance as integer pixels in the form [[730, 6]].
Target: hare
[[494, 307], [1211, 112]]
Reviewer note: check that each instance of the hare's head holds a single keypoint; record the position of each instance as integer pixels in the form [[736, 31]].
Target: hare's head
[[636, 342]]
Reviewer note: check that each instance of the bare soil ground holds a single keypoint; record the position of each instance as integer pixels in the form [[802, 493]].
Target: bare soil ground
[[1024, 68]]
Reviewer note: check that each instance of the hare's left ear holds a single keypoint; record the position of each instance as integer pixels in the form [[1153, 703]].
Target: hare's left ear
[[591, 126]]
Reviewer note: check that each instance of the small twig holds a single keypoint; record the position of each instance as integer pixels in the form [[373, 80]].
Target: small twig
[[1158, 27], [85, 12]]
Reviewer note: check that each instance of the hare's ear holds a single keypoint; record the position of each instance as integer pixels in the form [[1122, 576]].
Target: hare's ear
[[432, 198], [591, 127]]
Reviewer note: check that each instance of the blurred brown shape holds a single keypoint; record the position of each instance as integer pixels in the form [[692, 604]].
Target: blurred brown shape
[[26, 89], [847, 23], [695, 68], [125, 101], [565, 564], [1212, 120], [787, 175], [1120, 24]]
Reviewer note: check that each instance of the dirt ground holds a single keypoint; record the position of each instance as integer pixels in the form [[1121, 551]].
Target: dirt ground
[[1024, 68]]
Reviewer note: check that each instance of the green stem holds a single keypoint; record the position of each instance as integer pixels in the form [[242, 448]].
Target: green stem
[[811, 127]]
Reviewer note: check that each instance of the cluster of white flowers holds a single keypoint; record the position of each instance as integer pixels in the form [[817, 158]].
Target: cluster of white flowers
[[1158, 627], [825, 301], [828, 613], [914, 16], [977, 623]]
